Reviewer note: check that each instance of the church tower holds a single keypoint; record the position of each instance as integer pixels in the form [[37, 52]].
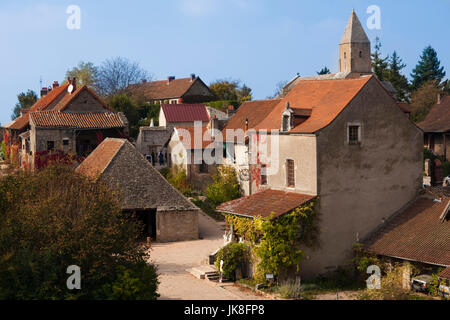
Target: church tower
[[354, 49]]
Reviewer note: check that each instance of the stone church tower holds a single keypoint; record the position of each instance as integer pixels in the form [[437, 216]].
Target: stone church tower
[[354, 49]]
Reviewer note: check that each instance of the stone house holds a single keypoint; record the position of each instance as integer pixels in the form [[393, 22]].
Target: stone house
[[75, 125], [436, 126], [187, 149], [152, 140], [329, 137], [166, 214], [173, 91]]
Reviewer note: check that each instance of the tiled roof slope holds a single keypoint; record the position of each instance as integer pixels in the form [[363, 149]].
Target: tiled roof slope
[[256, 111], [138, 183], [189, 144], [417, 234], [263, 204], [58, 119], [438, 119], [42, 104], [185, 112], [163, 89], [326, 98], [445, 274]]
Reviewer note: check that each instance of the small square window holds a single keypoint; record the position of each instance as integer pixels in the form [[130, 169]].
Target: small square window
[[65, 142], [50, 145]]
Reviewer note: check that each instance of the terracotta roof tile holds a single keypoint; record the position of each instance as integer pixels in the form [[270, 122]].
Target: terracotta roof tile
[[161, 90], [438, 119], [189, 145], [93, 166], [326, 98], [42, 104], [185, 112], [416, 234], [60, 119], [264, 203]]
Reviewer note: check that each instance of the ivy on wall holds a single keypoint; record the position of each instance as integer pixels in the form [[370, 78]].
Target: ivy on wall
[[276, 243]]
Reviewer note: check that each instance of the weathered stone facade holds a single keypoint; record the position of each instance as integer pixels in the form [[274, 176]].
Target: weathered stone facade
[[174, 226]]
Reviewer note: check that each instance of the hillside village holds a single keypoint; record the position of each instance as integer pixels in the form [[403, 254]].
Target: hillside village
[[335, 162]]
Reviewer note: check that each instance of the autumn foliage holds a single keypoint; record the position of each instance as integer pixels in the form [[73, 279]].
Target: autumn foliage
[[54, 218]]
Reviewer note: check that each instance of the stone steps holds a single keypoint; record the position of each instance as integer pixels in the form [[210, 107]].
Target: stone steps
[[202, 272]]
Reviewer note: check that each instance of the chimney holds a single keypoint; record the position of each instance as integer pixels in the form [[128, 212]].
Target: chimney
[[214, 125], [440, 97], [55, 84], [246, 125], [74, 83], [44, 91], [144, 80], [230, 111], [170, 79], [192, 77], [50, 88]]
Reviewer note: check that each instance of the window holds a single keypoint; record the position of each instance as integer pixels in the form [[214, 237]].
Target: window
[[290, 173], [360, 54], [354, 134], [50, 145], [65, 142], [263, 175], [285, 127]]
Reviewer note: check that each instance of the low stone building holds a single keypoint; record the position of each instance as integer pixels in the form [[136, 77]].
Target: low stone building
[[166, 214], [75, 125], [152, 140]]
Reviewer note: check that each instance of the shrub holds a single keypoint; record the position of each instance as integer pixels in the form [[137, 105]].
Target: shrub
[[291, 289], [54, 218], [225, 188], [178, 178], [233, 256], [3, 151]]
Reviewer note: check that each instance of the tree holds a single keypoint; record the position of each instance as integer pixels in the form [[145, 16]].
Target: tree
[[122, 103], [85, 73], [446, 87], [26, 100], [278, 89], [379, 64], [55, 218], [225, 89], [428, 69], [244, 94], [116, 74], [394, 76], [423, 99], [324, 71]]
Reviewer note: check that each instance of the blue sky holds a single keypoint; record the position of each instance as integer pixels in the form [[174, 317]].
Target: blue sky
[[260, 42]]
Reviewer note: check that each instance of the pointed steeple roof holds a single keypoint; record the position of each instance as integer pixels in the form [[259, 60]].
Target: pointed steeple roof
[[354, 32]]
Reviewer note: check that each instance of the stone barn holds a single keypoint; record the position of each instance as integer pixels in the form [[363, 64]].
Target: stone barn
[[167, 215]]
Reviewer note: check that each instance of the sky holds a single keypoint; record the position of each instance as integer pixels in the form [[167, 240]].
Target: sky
[[260, 42]]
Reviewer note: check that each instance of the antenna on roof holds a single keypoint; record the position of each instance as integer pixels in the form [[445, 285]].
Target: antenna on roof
[[40, 84]]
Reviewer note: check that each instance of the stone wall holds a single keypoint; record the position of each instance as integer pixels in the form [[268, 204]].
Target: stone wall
[[85, 102], [176, 225]]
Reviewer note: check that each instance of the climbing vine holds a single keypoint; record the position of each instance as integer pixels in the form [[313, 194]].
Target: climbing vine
[[276, 242]]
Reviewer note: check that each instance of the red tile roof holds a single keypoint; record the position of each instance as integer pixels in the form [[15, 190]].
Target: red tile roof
[[445, 274], [417, 234], [42, 104], [161, 90], [438, 119], [206, 139], [264, 203], [255, 111], [326, 98], [185, 112], [101, 120], [94, 165]]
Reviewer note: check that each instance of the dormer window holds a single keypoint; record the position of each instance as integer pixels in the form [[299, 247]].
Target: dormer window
[[287, 120]]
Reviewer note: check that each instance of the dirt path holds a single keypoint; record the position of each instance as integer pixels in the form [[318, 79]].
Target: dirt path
[[173, 259]]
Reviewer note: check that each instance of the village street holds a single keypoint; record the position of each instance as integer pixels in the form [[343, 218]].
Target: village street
[[174, 258]]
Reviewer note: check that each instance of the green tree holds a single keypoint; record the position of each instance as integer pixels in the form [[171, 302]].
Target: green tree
[[231, 90], [122, 103], [54, 218], [85, 73], [244, 94], [423, 99], [25, 101], [324, 71], [379, 65], [394, 76], [428, 69], [225, 188]]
